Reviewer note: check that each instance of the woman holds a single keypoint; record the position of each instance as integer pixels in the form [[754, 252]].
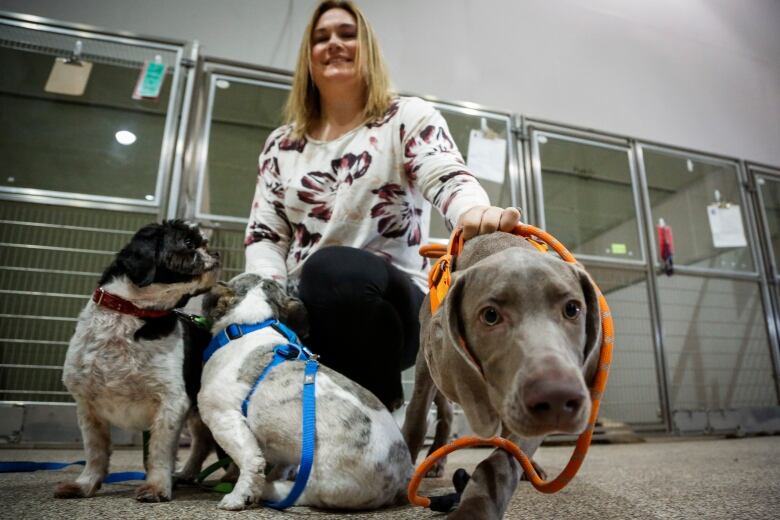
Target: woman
[[339, 211]]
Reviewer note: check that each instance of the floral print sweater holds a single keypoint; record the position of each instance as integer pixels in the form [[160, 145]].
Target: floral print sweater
[[366, 189]]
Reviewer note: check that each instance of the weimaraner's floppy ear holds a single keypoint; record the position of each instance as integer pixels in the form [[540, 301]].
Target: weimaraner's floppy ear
[[592, 347], [456, 374]]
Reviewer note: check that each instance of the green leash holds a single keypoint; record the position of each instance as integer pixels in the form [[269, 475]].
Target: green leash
[[146, 437], [199, 321], [222, 487]]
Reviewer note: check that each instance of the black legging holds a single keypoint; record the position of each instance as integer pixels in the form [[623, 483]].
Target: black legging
[[362, 318]]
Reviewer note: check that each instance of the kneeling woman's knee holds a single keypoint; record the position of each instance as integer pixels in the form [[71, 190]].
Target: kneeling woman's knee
[[322, 262], [342, 272]]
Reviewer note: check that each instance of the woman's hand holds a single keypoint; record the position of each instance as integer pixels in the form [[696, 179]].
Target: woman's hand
[[487, 219]]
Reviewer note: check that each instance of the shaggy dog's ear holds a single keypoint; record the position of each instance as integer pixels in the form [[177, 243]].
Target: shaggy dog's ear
[[139, 258]]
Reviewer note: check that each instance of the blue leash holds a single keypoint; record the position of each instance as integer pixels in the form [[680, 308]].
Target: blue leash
[[124, 476], [23, 466], [293, 350], [29, 466]]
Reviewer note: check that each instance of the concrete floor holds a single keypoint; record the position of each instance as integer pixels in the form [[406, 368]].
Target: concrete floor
[[658, 479]]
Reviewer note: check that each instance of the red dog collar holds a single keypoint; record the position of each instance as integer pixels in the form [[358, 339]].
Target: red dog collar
[[115, 303]]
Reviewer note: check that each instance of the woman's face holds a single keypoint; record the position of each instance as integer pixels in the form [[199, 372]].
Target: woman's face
[[333, 48]]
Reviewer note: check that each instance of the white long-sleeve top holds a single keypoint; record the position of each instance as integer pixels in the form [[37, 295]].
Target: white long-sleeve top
[[366, 189]]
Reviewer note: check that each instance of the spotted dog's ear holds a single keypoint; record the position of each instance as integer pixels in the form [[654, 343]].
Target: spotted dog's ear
[[218, 301], [138, 260], [289, 310], [294, 315]]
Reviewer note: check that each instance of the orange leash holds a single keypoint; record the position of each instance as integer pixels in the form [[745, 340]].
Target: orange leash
[[439, 279]]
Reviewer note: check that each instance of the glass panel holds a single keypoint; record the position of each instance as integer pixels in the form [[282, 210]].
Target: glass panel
[[770, 198], [716, 344], [682, 191], [68, 144], [588, 197], [243, 114], [460, 126], [632, 394]]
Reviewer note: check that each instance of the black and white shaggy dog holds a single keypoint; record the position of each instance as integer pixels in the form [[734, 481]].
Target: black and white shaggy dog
[[126, 362]]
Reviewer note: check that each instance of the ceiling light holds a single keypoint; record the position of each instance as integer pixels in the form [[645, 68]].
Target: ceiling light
[[124, 137], [223, 83], [149, 197]]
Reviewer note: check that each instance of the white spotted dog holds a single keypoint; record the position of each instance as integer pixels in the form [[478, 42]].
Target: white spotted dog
[[360, 459], [131, 363]]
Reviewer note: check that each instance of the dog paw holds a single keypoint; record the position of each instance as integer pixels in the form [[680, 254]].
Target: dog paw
[[471, 511], [69, 490], [184, 478], [282, 472], [539, 471], [151, 493], [460, 479], [234, 502], [437, 470], [231, 473]]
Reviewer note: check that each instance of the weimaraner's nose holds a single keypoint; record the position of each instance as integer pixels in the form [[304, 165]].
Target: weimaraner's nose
[[552, 400]]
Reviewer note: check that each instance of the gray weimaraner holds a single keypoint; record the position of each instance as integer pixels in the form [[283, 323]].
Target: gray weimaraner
[[515, 343]]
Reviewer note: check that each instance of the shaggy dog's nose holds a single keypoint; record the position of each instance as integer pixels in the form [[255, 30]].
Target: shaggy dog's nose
[[552, 400]]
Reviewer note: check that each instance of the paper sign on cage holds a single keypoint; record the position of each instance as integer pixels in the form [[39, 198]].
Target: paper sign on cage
[[726, 225], [150, 80], [486, 156], [68, 77]]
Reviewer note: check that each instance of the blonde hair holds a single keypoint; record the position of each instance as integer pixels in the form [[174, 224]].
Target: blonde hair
[[303, 104]]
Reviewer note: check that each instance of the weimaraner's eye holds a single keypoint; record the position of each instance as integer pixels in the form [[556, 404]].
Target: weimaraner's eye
[[572, 309], [490, 316]]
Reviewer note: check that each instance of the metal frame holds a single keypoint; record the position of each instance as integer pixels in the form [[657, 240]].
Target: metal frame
[[526, 170], [36, 23], [769, 273], [752, 245], [181, 141], [80, 28], [194, 164], [83, 200], [581, 138], [756, 276], [755, 173], [213, 77], [183, 130], [662, 373], [528, 130]]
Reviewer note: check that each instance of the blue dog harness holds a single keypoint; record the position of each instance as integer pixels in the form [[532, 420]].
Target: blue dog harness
[[293, 350]]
